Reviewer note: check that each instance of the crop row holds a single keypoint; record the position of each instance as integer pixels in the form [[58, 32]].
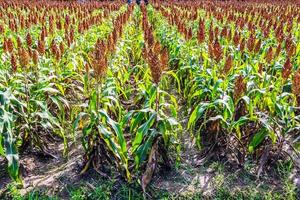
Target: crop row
[[127, 81]]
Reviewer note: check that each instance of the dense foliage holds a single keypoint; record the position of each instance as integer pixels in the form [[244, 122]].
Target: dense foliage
[[112, 75]]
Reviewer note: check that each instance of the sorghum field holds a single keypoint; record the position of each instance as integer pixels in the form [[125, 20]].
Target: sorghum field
[[165, 100]]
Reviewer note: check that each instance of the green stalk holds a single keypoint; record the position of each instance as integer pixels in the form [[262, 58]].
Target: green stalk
[[157, 99], [98, 91], [27, 101]]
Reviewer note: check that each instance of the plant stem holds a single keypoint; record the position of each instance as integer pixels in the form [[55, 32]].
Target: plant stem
[[27, 100], [99, 88], [157, 99]]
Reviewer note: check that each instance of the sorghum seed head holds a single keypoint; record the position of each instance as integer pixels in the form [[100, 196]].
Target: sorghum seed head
[[35, 56], [28, 40], [10, 45], [201, 32], [24, 57], [61, 48], [19, 42], [13, 62], [260, 68], [228, 64], [217, 51], [257, 46], [239, 87], [41, 47], [287, 69], [164, 56], [296, 86], [278, 50], [269, 55]]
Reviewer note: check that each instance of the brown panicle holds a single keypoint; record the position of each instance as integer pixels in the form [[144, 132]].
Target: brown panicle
[[61, 48], [41, 47], [291, 50], [43, 34], [99, 59], [260, 68], [10, 45], [154, 67], [236, 38], [239, 87], [211, 34], [28, 40], [13, 62], [296, 86], [250, 43], [242, 45], [164, 57], [278, 50], [217, 51], [35, 56], [156, 48], [53, 47], [1, 29], [287, 69], [269, 55], [224, 32], [23, 57], [201, 32], [19, 42], [257, 46], [87, 68], [5, 48], [228, 64]]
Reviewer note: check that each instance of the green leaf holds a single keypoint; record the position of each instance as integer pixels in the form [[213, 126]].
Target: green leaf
[[118, 131], [11, 153], [142, 151], [136, 120], [142, 131], [2, 153], [77, 120], [176, 78], [108, 137], [127, 117], [93, 102], [196, 114], [257, 139]]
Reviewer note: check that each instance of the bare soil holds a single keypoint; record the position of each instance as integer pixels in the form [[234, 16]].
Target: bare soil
[[53, 176]]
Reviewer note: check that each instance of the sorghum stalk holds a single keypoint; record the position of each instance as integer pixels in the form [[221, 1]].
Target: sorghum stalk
[[87, 71], [157, 99], [98, 90], [24, 61]]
